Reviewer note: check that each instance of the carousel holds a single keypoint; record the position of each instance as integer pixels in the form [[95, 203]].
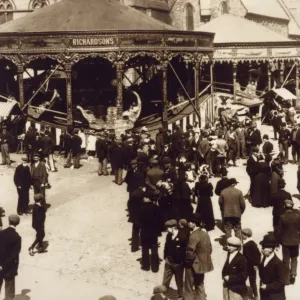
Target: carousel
[[99, 65]]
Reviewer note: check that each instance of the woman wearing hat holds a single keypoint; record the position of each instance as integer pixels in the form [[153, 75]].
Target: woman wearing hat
[[204, 191]]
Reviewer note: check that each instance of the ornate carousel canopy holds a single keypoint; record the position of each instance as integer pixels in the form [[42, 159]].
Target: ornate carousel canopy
[[237, 39]]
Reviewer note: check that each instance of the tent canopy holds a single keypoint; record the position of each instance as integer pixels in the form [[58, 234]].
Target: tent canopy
[[9, 107], [84, 16]]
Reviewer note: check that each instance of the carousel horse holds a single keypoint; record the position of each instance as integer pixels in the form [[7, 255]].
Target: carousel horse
[[37, 112]]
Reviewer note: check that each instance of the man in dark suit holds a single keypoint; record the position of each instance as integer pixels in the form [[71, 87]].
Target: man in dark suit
[[159, 142], [234, 272], [174, 255], [149, 220], [76, 148], [278, 202], [198, 259], [253, 256], [267, 148], [134, 177], [38, 224], [232, 205], [22, 180], [289, 238], [134, 204], [39, 176], [272, 271], [223, 183], [102, 153], [10, 247], [30, 143], [153, 175], [284, 141]]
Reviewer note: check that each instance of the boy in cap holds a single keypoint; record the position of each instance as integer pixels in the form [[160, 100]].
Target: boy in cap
[[38, 224], [234, 272], [253, 256], [107, 297], [10, 247], [272, 271], [174, 255], [289, 238]]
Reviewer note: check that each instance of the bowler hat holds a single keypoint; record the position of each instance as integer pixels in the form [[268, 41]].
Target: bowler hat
[[133, 162], [269, 241], [171, 223], [234, 241], [14, 220], [166, 160], [233, 181], [195, 218]]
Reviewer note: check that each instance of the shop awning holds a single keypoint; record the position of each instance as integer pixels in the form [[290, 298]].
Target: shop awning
[[9, 107]]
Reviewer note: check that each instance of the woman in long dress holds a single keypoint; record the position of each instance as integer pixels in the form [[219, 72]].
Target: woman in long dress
[[261, 186], [204, 192]]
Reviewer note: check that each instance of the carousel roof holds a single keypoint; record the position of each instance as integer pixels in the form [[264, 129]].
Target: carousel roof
[[270, 8], [232, 29], [84, 16]]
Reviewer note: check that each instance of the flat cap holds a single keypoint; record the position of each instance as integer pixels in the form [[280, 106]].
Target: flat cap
[[159, 289], [153, 161], [108, 297], [171, 223], [247, 232], [288, 203], [133, 162], [36, 156], [183, 222], [25, 159], [166, 160], [234, 241], [14, 219]]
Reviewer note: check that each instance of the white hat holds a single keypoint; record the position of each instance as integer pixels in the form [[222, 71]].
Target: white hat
[[234, 241], [144, 128]]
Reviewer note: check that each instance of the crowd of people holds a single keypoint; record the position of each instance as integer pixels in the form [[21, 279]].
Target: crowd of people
[[169, 189]]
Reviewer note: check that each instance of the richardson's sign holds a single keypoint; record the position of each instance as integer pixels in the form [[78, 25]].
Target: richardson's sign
[[92, 42]]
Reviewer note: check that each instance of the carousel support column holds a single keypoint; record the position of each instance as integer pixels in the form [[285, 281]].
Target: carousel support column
[[270, 75], [196, 74], [165, 94], [282, 72], [20, 71], [68, 70], [234, 66], [297, 84], [119, 102], [212, 90]]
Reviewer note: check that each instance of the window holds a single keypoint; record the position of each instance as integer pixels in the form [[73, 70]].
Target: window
[[38, 4], [6, 13], [189, 15], [223, 8]]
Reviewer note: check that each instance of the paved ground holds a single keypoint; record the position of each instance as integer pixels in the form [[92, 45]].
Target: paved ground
[[87, 231]]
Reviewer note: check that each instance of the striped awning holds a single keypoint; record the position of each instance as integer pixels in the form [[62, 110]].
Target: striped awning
[[6, 108]]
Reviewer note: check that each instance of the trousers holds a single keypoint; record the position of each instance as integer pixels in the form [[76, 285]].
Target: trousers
[[230, 295], [119, 176], [194, 281], [241, 145], [176, 270], [232, 223], [135, 237], [146, 258], [290, 258], [23, 200], [5, 154], [102, 169], [9, 287], [40, 234]]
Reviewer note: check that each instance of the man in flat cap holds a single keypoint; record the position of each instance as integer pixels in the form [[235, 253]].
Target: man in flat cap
[[232, 205], [234, 272], [289, 238], [272, 271], [39, 176], [38, 223], [174, 255], [107, 297], [10, 247], [198, 259], [159, 293], [253, 256], [22, 180]]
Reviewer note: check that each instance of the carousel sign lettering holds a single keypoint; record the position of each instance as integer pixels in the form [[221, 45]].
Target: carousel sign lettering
[[92, 42]]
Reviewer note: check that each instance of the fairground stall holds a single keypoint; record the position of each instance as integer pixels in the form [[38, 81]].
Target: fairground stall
[[99, 65], [250, 59]]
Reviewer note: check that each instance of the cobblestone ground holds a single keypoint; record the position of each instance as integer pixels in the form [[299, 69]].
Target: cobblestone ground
[[88, 234]]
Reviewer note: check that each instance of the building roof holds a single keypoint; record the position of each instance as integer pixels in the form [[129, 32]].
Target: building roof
[[8, 107], [153, 4], [233, 29], [84, 16], [268, 8]]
